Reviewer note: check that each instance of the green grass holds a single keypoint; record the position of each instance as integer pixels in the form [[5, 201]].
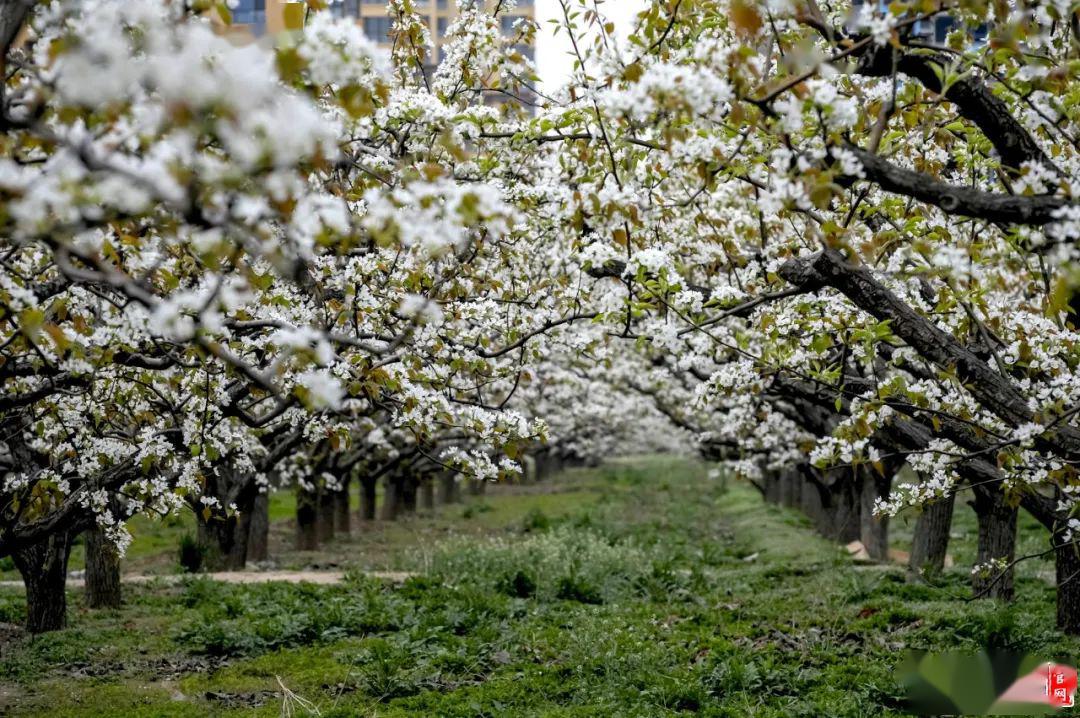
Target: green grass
[[637, 589]]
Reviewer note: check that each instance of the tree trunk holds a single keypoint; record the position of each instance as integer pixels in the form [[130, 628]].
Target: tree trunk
[[789, 488], [997, 542], [43, 568], [224, 538], [873, 530], [543, 465], [477, 487], [391, 498], [798, 486], [259, 533], [1067, 566], [342, 520], [843, 511], [324, 522], [427, 494], [306, 513], [408, 494], [367, 498], [448, 488], [772, 483], [102, 570], [528, 469], [811, 504], [931, 540]]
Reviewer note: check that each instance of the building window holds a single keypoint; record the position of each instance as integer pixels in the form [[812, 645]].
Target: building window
[[345, 8], [507, 22], [943, 25], [377, 28], [443, 23], [251, 12]]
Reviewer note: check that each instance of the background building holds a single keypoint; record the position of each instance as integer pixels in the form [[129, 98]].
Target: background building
[[253, 19], [260, 17]]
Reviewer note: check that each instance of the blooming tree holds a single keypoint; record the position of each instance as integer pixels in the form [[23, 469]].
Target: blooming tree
[[806, 236]]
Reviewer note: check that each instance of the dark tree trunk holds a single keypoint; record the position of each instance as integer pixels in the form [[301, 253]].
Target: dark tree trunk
[[448, 488], [367, 498], [528, 469], [102, 570], [772, 483], [931, 540], [842, 511], [408, 494], [790, 488], [259, 534], [543, 465], [307, 539], [391, 498], [873, 530], [427, 494], [798, 486], [811, 504], [324, 522], [1067, 566], [342, 519], [477, 487], [997, 541], [224, 538], [43, 568]]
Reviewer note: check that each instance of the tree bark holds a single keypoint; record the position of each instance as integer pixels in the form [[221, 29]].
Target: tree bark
[[997, 541], [1067, 568], [448, 488], [873, 530], [13, 14], [543, 465], [931, 540], [342, 519], [102, 570], [771, 480], [528, 469], [391, 498], [324, 521], [789, 489], [811, 505], [368, 485], [307, 539], [842, 511], [224, 538], [427, 494], [408, 494], [259, 534], [43, 567]]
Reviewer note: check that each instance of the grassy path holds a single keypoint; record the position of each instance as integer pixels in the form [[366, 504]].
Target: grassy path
[[638, 589]]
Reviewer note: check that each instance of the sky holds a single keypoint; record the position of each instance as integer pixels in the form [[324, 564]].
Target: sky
[[553, 59]]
